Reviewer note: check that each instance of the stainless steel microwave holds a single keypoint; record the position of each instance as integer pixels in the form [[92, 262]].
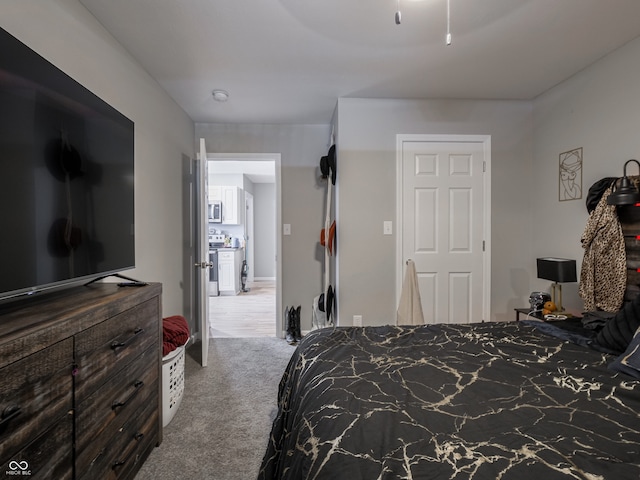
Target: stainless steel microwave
[[215, 212]]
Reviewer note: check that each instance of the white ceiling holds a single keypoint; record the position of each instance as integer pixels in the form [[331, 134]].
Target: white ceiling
[[287, 61]]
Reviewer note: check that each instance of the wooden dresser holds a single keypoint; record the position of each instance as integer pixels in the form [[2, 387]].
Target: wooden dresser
[[80, 382]]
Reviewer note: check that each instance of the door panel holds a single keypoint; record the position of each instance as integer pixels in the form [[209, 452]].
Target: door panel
[[460, 297], [460, 220], [226, 275], [442, 214], [428, 285], [202, 264], [426, 211]]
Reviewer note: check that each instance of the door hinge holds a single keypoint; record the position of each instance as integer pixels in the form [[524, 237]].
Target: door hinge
[[484, 166], [483, 245]]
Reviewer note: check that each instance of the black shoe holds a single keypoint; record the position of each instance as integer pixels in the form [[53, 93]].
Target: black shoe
[[297, 334], [290, 336]]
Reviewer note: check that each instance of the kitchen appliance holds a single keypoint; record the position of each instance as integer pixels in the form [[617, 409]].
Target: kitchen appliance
[[216, 240], [215, 211]]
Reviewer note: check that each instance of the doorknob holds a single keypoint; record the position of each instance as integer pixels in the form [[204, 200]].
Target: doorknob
[[203, 264]]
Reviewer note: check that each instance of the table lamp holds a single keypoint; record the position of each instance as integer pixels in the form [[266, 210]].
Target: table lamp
[[559, 270]]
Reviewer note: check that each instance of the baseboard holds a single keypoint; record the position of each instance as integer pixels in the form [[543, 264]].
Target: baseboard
[[264, 279]]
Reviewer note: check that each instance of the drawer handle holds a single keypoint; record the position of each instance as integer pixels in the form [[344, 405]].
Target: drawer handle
[[118, 463], [100, 453], [115, 345], [8, 414], [137, 385]]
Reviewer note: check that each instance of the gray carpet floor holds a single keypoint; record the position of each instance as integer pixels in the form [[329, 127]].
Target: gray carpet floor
[[221, 429]]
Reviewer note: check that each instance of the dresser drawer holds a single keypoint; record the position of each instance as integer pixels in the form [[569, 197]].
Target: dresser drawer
[[226, 255], [48, 456], [102, 414], [35, 392], [103, 350], [121, 455]]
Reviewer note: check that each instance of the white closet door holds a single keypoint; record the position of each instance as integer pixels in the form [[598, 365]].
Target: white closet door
[[443, 226]]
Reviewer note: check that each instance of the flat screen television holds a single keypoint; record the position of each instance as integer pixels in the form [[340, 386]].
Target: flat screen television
[[66, 178]]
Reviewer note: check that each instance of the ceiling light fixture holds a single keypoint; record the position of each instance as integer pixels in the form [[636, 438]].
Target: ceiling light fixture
[[448, 38], [398, 18], [220, 95]]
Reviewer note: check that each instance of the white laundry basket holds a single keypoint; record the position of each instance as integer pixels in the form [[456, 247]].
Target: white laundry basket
[[172, 383]]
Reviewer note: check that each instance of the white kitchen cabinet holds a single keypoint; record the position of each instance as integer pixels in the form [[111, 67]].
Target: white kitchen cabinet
[[229, 264], [232, 205], [232, 199], [215, 193]]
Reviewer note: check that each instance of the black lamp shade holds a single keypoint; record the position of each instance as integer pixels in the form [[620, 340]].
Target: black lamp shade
[[559, 270], [626, 193]]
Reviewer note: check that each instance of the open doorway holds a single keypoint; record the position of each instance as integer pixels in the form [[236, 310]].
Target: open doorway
[[246, 241]]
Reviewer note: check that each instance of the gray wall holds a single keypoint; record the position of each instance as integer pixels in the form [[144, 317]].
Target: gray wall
[[67, 35], [367, 196], [300, 147], [264, 211], [598, 110]]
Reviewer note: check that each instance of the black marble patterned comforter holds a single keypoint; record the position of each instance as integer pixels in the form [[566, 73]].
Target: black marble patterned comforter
[[482, 401]]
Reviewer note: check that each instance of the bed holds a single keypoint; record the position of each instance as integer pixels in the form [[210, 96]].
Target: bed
[[476, 401]]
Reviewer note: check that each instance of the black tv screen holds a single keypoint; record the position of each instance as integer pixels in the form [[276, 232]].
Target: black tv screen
[[66, 177]]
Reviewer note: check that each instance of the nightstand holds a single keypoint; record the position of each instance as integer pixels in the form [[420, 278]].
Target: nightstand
[[539, 316], [525, 311]]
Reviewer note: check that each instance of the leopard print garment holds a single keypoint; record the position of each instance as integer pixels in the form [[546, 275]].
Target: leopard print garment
[[603, 277]]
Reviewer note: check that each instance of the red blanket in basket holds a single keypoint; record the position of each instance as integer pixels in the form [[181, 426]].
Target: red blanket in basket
[[175, 333]]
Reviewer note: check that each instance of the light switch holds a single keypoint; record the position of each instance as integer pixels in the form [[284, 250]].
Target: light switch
[[286, 229], [387, 227]]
